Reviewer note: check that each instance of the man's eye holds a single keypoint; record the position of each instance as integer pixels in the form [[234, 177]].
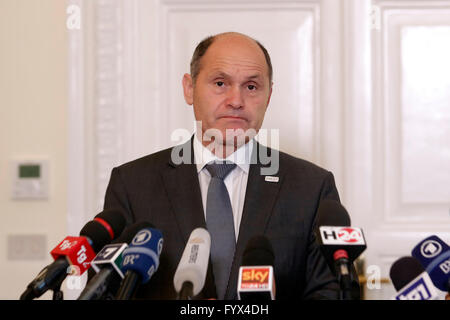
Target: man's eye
[[220, 83], [251, 87]]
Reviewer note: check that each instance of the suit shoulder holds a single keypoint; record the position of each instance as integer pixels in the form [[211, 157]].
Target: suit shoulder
[[301, 166], [154, 160], [303, 173]]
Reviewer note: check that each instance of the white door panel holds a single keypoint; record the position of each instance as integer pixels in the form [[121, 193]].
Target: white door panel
[[411, 129]]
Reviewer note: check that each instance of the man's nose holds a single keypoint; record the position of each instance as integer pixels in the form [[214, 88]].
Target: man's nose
[[235, 98]]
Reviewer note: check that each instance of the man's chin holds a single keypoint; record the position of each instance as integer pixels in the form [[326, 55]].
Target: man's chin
[[236, 136], [229, 137]]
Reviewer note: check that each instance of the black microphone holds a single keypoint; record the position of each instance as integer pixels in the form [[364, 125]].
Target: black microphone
[[403, 271], [77, 252], [340, 244], [107, 264], [256, 275], [411, 281]]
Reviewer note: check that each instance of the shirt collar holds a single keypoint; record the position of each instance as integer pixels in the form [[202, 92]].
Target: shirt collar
[[241, 157]]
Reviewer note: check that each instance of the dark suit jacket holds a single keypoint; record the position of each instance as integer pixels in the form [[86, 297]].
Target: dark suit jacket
[[156, 190]]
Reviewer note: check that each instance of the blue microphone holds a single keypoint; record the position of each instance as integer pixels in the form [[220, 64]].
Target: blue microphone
[[434, 255], [140, 261]]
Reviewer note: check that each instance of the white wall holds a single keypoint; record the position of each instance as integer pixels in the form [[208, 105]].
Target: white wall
[[33, 123]]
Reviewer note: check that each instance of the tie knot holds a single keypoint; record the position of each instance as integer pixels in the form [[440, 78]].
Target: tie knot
[[220, 169]]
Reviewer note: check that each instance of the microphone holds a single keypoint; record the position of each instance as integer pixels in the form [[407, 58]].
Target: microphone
[[340, 244], [190, 275], [77, 252], [411, 281], [434, 255], [107, 264], [256, 275], [140, 261]]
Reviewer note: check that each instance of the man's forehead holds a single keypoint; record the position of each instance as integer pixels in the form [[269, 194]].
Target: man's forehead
[[223, 61], [235, 55], [236, 43], [230, 49]]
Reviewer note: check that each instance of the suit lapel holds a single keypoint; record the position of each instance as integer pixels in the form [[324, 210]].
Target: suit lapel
[[183, 190], [260, 198]]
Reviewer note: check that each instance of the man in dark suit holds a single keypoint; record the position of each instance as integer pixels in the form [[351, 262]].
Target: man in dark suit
[[229, 87]]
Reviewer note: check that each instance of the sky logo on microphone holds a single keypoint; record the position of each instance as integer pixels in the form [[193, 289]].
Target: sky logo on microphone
[[256, 282], [255, 277]]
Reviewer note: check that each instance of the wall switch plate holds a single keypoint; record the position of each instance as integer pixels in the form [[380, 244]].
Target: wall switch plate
[[30, 179], [27, 247]]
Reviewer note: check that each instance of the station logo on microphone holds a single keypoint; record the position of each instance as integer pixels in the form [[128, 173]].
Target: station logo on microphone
[[341, 235], [255, 278], [197, 240], [430, 249]]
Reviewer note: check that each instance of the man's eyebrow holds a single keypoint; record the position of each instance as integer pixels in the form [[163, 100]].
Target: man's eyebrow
[[221, 74], [255, 76]]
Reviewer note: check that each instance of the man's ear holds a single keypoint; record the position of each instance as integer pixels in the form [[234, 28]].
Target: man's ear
[[188, 89]]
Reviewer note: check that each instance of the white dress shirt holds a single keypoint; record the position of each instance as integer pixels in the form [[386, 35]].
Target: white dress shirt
[[235, 181]]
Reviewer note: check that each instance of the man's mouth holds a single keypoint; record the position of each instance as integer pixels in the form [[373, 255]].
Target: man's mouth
[[234, 118]]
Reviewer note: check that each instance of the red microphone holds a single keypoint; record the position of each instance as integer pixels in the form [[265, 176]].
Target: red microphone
[[77, 252]]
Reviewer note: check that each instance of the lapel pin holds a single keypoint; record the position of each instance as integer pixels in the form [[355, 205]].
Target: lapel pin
[[272, 179]]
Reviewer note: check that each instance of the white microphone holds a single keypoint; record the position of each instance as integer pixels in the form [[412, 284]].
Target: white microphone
[[190, 275]]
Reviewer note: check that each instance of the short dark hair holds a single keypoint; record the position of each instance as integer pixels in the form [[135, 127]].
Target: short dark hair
[[203, 46]]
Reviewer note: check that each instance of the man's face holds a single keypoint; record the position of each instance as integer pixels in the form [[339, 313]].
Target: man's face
[[233, 89]]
